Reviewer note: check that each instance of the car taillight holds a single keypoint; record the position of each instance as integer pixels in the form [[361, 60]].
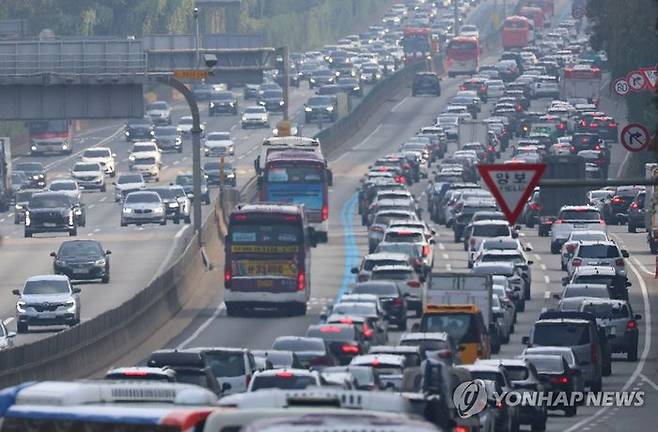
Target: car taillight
[[462, 87], [634, 205], [367, 331], [576, 262], [518, 107], [594, 125], [617, 200], [572, 149], [460, 429], [483, 89], [397, 301], [571, 248], [631, 324], [560, 380], [350, 349], [595, 353], [619, 262], [284, 374], [558, 221], [325, 212], [301, 281], [400, 179], [561, 126], [535, 206], [228, 276], [612, 125], [583, 123], [597, 147], [413, 284], [472, 242], [426, 250], [406, 166]]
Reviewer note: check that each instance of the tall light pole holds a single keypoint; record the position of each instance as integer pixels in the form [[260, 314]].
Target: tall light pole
[[197, 42]]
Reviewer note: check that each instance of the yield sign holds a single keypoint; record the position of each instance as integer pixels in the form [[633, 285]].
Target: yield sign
[[511, 185]]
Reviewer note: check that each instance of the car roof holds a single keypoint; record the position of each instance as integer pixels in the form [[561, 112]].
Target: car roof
[[382, 358], [48, 278], [442, 336], [490, 222]]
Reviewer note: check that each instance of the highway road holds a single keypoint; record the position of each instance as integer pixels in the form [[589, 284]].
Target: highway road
[[398, 119]]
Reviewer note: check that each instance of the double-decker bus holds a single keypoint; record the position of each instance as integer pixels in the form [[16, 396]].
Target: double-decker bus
[[98, 406], [417, 44], [536, 15], [518, 32], [581, 82], [268, 258], [462, 56], [299, 177], [50, 136]]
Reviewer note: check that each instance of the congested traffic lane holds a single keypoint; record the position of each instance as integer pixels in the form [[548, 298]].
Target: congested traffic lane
[[138, 253]]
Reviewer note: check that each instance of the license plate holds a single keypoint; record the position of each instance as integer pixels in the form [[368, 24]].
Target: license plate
[[264, 283], [48, 224], [47, 315]]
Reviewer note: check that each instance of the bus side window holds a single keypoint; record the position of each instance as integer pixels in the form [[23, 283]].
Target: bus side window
[[330, 177]]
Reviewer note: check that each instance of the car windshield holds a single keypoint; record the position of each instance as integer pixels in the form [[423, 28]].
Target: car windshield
[[427, 344], [319, 101], [28, 166], [385, 218], [156, 106], [461, 327], [254, 110], [502, 257], [165, 193], [143, 197], [80, 248], [96, 153], [23, 196], [184, 180], [144, 148], [587, 291], [598, 251], [551, 364], [225, 363], [382, 289], [144, 161], [166, 131], [273, 94], [82, 167], [370, 264], [332, 333], [296, 345], [283, 380], [356, 309], [491, 231], [586, 215], [46, 287], [225, 96], [564, 334], [218, 136], [401, 275], [404, 237], [406, 248], [185, 120], [130, 178], [588, 236], [49, 201], [63, 186], [517, 373]]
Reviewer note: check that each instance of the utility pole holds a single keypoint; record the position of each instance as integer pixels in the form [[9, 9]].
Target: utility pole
[[197, 42], [455, 11], [286, 83]]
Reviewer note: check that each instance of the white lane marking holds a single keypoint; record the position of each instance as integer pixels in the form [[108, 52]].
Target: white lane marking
[[10, 215], [176, 162], [91, 206], [97, 230], [648, 381], [90, 234], [103, 199], [642, 266], [233, 127], [446, 256], [347, 153], [537, 257], [547, 279], [180, 232], [521, 234], [165, 167], [2, 220], [528, 244], [547, 295], [8, 321], [543, 267], [216, 313], [75, 155], [442, 246], [645, 350], [398, 105], [448, 267]]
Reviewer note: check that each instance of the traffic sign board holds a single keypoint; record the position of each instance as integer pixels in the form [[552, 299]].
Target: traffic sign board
[[651, 76], [636, 80], [635, 137], [577, 12], [511, 185], [621, 87], [190, 74]]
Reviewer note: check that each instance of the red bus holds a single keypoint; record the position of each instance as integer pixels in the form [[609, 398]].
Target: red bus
[[267, 258], [462, 56], [299, 177], [518, 32], [50, 136], [417, 44], [536, 15], [581, 82]]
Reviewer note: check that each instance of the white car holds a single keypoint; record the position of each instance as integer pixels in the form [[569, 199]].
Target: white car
[[185, 126], [598, 253], [469, 30], [126, 183], [104, 157], [147, 166], [68, 187], [255, 116], [219, 144], [159, 113], [145, 148], [89, 175], [572, 218], [480, 230]]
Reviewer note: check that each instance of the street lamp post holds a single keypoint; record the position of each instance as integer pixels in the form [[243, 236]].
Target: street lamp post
[[196, 37]]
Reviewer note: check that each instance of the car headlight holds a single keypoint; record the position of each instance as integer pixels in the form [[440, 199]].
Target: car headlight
[[65, 146], [330, 108], [78, 212], [178, 140], [33, 148], [261, 102], [230, 175], [70, 306], [158, 210], [231, 149], [244, 118], [312, 80], [127, 133], [131, 157], [100, 262], [173, 205], [212, 104], [127, 210], [20, 306], [357, 88], [18, 207], [28, 220], [308, 109], [282, 103], [231, 103]]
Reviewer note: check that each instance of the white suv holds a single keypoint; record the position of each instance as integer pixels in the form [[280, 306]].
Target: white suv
[[572, 218], [598, 253], [104, 157]]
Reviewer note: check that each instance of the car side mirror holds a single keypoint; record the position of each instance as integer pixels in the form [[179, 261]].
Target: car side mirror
[[16, 292], [323, 316], [354, 270], [565, 280], [226, 387], [77, 290], [556, 296], [525, 340], [415, 327], [11, 335], [628, 284], [530, 262], [528, 249], [515, 234], [53, 254], [108, 252], [625, 253]]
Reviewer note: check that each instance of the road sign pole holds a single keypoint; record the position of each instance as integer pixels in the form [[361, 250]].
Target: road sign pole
[[196, 149]]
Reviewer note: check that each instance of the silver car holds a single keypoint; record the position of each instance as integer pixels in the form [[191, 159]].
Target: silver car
[[567, 354], [143, 207], [6, 337], [617, 317], [127, 183], [595, 253], [89, 175], [569, 247], [47, 300]]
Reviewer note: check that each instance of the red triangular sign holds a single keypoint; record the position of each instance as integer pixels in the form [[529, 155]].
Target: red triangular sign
[[511, 184]]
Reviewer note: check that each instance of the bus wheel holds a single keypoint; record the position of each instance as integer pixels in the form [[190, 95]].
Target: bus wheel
[[298, 309]]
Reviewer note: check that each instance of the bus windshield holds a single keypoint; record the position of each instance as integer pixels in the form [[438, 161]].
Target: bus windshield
[[460, 326], [44, 126], [270, 233], [298, 185]]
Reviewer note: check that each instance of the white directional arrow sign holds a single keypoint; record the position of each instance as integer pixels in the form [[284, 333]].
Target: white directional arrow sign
[[511, 185], [636, 80]]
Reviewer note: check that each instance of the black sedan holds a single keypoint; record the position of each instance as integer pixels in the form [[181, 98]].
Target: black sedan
[[350, 85], [82, 260], [138, 131], [211, 171]]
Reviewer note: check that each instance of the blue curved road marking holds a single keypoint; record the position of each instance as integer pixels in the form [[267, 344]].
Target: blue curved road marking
[[352, 255]]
